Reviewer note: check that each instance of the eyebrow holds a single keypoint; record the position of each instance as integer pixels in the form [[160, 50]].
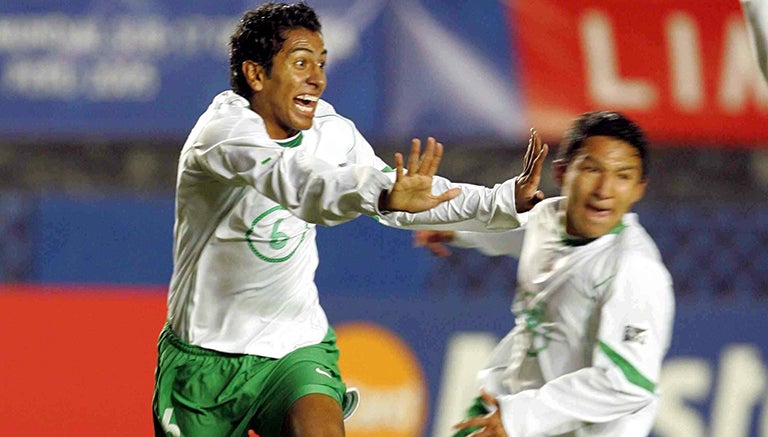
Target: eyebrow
[[623, 168], [304, 49]]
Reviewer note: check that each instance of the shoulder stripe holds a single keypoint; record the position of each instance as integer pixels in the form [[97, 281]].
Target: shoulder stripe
[[605, 280], [632, 374]]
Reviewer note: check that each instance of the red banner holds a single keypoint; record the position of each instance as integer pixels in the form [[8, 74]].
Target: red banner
[[78, 361], [683, 69]]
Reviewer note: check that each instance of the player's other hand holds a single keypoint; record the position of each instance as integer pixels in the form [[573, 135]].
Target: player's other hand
[[489, 425], [527, 193], [412, 191], [433, 241]]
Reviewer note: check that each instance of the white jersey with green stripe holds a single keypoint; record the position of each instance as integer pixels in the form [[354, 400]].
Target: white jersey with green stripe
[[246, 207], [593, 321], [244, 236]]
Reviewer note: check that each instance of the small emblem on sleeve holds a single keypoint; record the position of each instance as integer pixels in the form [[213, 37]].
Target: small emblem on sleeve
[[635, 334]]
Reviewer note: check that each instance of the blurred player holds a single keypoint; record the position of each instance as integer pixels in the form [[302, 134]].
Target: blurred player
[[594, 303], [756, 15], [247, 347]]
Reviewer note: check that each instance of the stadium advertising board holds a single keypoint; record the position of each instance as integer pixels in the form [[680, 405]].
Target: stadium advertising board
[[467, 70], [111, 68], [682, 68], [78, 361], [149, 69]]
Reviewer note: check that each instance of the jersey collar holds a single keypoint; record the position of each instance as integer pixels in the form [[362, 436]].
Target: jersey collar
[[569, 240], [295, 141]]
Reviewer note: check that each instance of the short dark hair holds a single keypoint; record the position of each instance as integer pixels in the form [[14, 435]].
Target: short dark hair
[[260, 34], [604, 123]]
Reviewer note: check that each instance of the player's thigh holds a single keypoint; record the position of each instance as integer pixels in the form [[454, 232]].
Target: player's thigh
[[199, 392], [314, 415], [311, 370]]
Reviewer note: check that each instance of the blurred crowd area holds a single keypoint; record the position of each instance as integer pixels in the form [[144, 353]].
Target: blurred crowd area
[[680, 173], [705, 207]]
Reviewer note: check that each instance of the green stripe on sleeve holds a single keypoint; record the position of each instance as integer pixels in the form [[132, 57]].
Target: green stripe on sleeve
[[628, 369]]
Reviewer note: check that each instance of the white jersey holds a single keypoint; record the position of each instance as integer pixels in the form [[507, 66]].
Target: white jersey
[[244, 236], [244, 247], [756, 16], [593, 321]]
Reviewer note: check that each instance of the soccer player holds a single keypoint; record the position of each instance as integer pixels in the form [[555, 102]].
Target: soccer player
[[247, 347], [756, 15], [594, 303]]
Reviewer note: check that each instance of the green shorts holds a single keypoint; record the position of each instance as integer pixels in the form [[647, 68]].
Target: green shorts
[[200, 392]]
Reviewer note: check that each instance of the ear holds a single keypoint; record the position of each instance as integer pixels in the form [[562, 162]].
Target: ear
[[254, 74], [558, 171]]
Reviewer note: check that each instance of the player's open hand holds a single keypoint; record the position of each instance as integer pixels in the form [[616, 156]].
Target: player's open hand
[[527, 193], [489, 425], [412, 191]]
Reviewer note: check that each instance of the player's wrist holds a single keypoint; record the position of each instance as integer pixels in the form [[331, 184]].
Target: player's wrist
[[383, 204]]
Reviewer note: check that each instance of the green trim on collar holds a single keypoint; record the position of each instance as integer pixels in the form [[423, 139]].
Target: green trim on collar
[[618, 228], [629, 371], [576, 241], [292, 142]]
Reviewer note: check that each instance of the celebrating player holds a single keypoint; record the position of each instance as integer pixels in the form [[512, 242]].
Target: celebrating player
[[594, 303], [247, 347]]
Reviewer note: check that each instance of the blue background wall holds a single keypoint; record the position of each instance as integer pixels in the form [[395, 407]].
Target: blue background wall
[[373, 273]]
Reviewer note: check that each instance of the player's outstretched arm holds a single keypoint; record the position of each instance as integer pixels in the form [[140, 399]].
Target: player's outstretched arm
[[412, 191], [527, 193]]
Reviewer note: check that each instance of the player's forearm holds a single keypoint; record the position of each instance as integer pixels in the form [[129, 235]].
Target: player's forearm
[[310, 188], [477, 208], [589, 395], [491, 243], [321, 193]]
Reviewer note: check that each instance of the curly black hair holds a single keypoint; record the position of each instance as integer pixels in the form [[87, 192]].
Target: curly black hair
[[604, 123], [260, 34]]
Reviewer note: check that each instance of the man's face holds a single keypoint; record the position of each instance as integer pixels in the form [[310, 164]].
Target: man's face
[[287, 98], [602, 182]]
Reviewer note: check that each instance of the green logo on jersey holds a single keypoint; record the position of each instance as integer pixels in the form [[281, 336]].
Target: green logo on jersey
[[278, 239]]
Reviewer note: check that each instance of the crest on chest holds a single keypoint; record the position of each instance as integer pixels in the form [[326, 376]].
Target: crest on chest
[[275, 234]]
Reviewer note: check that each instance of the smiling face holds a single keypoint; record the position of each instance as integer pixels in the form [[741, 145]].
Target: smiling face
[[602, 181], [287, 97]]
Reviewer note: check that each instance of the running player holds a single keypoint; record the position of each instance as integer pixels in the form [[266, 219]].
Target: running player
[[594, 303], [247, 347]]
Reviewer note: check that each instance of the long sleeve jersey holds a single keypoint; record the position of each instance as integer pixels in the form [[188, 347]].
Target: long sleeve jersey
[[244, 236], [593, 321]]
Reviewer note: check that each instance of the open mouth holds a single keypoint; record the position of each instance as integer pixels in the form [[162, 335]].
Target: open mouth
[[598, 212], [305, 103]]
